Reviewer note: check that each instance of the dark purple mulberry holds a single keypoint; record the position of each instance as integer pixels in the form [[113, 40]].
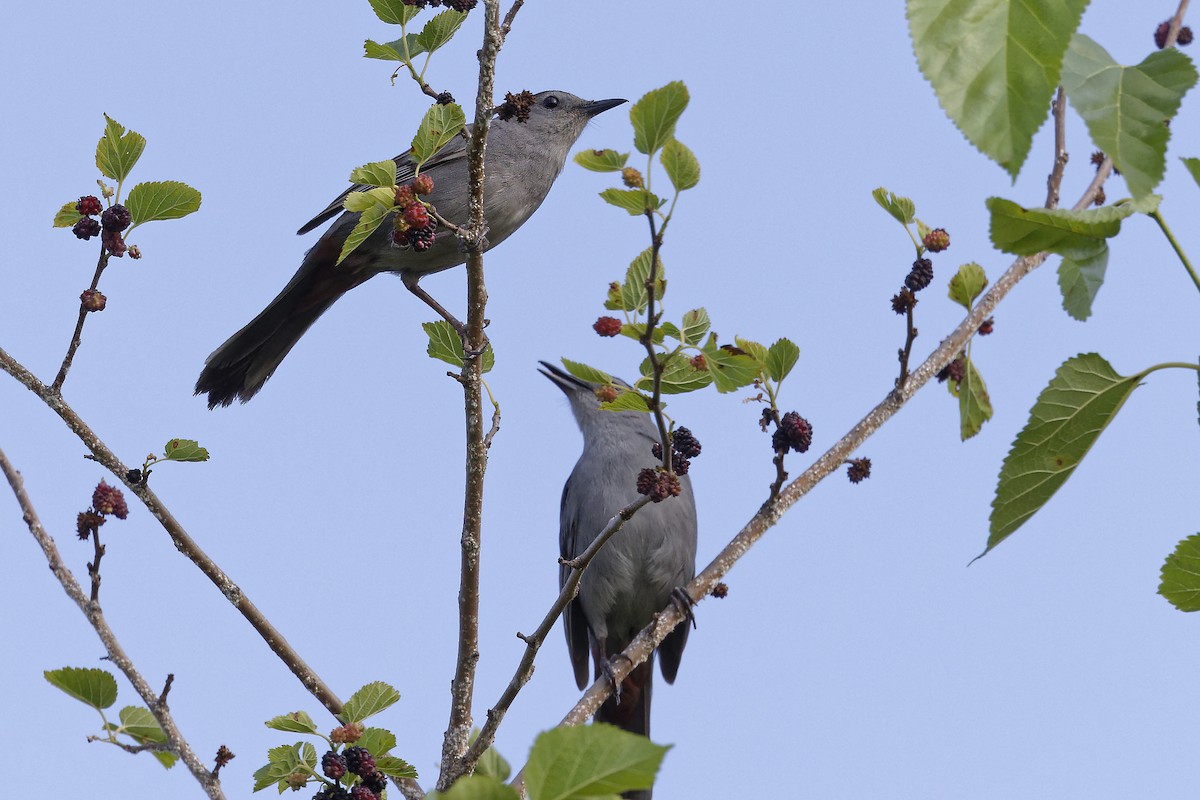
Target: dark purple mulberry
[[86, 228], [109, 500], [89, 206], [116, 218], [333, 765], [920, 276], [685, 443], [359, 761]]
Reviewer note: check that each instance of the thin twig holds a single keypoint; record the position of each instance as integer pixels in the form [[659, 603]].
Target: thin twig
[[182, 541], [116, 654], [162, 696], [1054, 182], [909, 337], [534, 641], [77, 337], [1176, 24], [93, 566], [458, 732], [508, 19]]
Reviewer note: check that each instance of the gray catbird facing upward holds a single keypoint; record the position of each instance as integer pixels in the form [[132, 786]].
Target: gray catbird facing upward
[[523, 159], [635, 574]]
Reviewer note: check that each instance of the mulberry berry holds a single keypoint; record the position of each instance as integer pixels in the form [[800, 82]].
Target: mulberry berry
[[361, 792], [359, 761], [404, 196], [794, 432], [422, 184], [987, 326], [333, 765], [632, 178], [109, 500], [92, 300], [422, 239], [920, 276], [606, 394], [936, 240], [376, 783], [416, 215], [89, 205], [685, 443], [116, 218], [1160, 34], [461, 6], [607, 326], [113, 242], [347, 734], [1185, 36], [86, 228]]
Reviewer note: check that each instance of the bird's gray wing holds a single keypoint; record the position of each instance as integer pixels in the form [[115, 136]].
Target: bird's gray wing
[[574, 622], [453, 151]]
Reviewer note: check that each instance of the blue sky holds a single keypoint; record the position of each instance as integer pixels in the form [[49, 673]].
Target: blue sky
[[856, 655]]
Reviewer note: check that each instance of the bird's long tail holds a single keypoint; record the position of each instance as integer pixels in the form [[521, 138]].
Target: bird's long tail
[[633, 711], [238, 369]]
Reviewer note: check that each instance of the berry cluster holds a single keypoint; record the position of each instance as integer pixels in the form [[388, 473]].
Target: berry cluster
[[859, 469], [684, 447], [1160, 35], [414, 226], [356, 761], [607, 326], [658, 484], [462, 6], [794, 433]]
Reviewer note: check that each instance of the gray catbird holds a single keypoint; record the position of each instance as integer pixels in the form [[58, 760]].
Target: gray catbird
[[523, 159], [635, 574]]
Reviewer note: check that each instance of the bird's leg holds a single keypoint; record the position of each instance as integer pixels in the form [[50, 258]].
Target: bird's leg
[[684, 602], [604, 666], [413, 286]]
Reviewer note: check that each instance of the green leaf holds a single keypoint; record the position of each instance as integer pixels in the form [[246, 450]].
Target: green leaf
[[967, 284], [1126, 108], [1025, 231], [377, 173], [377, 741], [165, 758], [139, 723], [1192, 164], [95, 687], [601, 160], [446, 345], [155, 200], [394, 12], [994, 65], [679, 376], [974, 405], [1069, 415], [681, 165], [68, 215], [118, 150], [755, 350], [628, 400], [295, 722], [1080, 276], [493, 765], [361, 201], [632, 294], [730, 370], [368, 222], [392, 51], [283, 761], [694, 327], [635, 201], [477, 787], [781, 357], [440, 124], [395, 767], [655, 115], [1181, 575], [586, 373], [590, 760], [369, 701], [184, 450], [440, 30], [901, 208]]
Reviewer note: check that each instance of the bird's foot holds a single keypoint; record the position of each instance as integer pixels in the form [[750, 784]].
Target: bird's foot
[[684, 602]]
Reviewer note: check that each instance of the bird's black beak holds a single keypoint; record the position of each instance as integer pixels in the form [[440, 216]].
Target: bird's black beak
[[600, 106], [563, 379]]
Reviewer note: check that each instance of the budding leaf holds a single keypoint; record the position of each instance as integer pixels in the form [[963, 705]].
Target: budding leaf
[[394, 12], [95, 687], [368, 701], [1069, 415], [681, 165], [901, 208], [967, 284], [155, 200], [118, 150], [635, 201], [655, 115], [601, 160], [591, 760], [295, 722], [1080, 276], [1181, 575], [974, 405], [446, 345], [185, 450], [1125, 108], [440, 124], [68, 215], [377, 173]]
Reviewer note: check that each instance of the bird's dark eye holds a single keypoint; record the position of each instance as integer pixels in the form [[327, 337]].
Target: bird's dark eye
[[550, 102]]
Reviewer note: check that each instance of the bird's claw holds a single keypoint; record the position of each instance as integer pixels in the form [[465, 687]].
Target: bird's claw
[[684, 603], [606, 668]]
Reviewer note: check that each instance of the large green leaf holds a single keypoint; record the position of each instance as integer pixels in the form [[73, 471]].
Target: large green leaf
[[96, 687], [377, 173], [681, 164], [139, 723], [155, 200], [655, 115], [993, 65], [118, 150], [367, 224], [1181, 575], [368, 701], [1126, 108], [590, 761], [446, 345], [781, 357], [394, 12], [967, 284], [1069, 415], [1080, 276], [440, 29], [1025, 231], [679, 375]]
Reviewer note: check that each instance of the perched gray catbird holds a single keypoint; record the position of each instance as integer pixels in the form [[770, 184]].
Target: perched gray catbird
[[635, 573], [523, 159]]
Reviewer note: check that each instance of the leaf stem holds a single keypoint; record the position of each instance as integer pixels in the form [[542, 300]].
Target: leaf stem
[[1156, 215]]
